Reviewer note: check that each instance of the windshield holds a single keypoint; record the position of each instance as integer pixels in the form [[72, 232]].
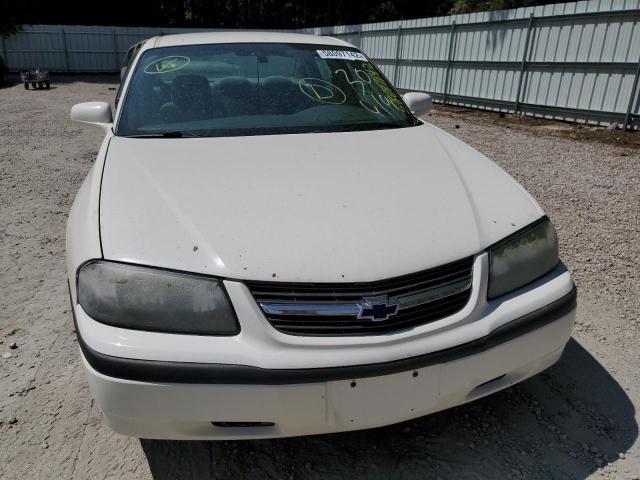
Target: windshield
[[257, 89]]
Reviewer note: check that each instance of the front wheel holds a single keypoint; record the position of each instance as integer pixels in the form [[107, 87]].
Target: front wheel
[[47, 84], [34, 85], [26, 85]]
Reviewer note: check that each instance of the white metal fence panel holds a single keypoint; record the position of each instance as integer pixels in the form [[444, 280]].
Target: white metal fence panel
[[75, 48], [574, 61]]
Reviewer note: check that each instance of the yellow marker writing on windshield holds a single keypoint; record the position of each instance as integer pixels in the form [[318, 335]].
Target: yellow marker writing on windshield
[[167, 64], [322, 91]]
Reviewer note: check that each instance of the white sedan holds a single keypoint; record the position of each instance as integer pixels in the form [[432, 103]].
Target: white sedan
[[271, 243]]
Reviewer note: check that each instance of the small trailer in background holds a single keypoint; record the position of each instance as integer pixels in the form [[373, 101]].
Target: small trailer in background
[[36, 77]]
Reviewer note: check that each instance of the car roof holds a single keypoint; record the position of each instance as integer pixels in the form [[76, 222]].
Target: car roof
[[241, 37]]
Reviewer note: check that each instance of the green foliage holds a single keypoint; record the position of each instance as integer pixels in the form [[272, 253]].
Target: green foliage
[[9, 23], [275, 14], [469, 6]]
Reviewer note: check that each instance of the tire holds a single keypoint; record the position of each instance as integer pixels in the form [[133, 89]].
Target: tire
[[40, 84], [26, 85], [47, 84], [34, 85]]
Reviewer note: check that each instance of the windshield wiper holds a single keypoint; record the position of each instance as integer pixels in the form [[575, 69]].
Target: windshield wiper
[[375, 126], [169, 134]]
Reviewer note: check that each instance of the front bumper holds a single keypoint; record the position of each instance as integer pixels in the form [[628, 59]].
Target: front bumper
[[180, 400]]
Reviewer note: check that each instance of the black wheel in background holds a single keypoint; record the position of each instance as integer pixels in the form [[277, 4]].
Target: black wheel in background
[[47, 84], [26, 85], [34, 85]]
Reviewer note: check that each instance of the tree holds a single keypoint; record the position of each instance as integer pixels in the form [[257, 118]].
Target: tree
[[271, 14], [468, 6], [9, 22]]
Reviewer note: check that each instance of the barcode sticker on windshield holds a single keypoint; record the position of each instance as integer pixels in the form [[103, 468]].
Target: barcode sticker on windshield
[[342, 55]]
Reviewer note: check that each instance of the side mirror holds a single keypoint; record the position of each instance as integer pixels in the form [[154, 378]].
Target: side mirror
[[419, 103], [93, 113]]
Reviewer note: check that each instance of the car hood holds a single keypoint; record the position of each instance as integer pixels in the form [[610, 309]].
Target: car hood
[[323, 207]]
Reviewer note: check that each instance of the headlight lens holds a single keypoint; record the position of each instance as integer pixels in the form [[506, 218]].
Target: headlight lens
[[522, 258], [142, 298]]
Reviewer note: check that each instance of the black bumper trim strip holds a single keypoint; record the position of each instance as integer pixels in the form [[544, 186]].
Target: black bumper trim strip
[[214, 373]]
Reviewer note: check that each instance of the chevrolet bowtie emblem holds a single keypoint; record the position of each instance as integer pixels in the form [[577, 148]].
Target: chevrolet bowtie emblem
[[377, 309]]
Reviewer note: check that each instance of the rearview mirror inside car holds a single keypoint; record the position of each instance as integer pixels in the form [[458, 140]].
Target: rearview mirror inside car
[[418, 102], [92, 113]]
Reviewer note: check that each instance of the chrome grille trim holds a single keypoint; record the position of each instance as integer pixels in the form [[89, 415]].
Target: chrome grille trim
[[335, 309], [320, 309]]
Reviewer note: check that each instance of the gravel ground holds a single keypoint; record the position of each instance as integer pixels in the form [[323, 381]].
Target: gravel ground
[[576, 420]]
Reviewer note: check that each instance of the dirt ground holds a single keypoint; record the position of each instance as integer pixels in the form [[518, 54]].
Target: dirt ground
[[577, 420]]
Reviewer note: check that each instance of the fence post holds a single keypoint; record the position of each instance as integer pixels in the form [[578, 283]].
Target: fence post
[[523, 66], [450, 54], [66, 50], [115, 49], [4, 52], [360, 37], [634, 88], [396, 66]]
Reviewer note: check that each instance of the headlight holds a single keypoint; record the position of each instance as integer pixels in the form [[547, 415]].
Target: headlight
[[142, 298], [522, 257]]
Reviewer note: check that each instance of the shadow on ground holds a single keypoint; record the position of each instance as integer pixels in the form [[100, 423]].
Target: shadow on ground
[[564, 423]]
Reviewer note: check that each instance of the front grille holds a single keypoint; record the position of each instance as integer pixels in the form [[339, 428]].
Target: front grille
[[336, 309]]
